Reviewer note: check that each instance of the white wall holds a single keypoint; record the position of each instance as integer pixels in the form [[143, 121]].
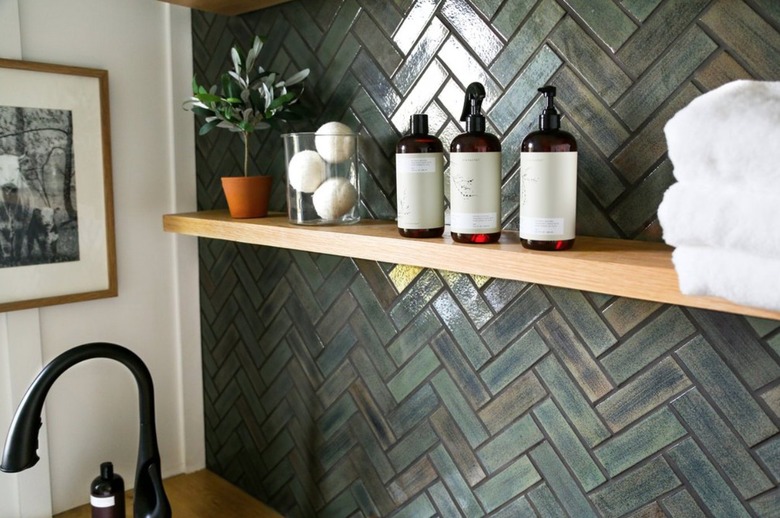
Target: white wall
[[92, 411]]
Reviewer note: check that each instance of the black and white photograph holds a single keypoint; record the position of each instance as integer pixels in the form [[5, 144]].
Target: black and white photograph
[[38, 214], [57, 241]]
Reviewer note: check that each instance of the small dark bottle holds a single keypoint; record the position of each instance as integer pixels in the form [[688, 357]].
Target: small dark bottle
[[107, 494], [419, 163], [475, 176], [548, 183]]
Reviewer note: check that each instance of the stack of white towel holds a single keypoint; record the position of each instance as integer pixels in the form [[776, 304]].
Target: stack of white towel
[[723, 214]]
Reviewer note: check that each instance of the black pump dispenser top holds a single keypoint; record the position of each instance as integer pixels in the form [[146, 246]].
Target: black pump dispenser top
[[107, 471], [419, 124], [472, 108], [549, 119]]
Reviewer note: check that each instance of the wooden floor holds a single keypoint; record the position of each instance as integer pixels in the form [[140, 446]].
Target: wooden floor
[[195, 495]]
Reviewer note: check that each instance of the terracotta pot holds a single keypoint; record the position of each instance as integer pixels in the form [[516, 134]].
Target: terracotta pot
[[247, 196]]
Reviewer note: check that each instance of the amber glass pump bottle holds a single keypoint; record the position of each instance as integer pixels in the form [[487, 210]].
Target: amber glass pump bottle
[[548, 183], [475, 176], [419, 166]]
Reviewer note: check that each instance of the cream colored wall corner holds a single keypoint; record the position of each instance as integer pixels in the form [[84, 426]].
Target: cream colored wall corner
[[91, 412]]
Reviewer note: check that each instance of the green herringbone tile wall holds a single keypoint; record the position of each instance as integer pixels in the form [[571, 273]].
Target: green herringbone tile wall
[[340, 388]]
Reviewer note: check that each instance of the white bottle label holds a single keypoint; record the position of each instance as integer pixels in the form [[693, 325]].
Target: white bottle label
[[475, 192], [101, 501], [548, 195], [420, 190]]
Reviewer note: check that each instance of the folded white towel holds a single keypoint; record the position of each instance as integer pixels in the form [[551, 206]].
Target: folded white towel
[[728, 134], [737, 276], [724, 215]]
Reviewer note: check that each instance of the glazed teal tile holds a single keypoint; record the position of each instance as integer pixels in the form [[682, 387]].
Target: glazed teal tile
[[584, 55], [477, 34], [406, 343], [561, 483], [279, 447], [774, 343], [643, 394], [641, 9], [648, 145], [751, 37], [635, 489], [513, 361], [329, 46], [425, 90], [465, 291], [458, 367], [367, 330], [633, 212], [487, 7], [606, 19], [646, 438], [682, 505], [334, 386], [520, 508], [545, 503], [735, 341], [513, 320], [591, 219], [461, 329], [420, 507], [333, 78], [462, 454], [336, 350], [376, 84], [665, 331], [509, 444], [594, 171], [506, 485], [664, 77], [624, 314], [275, 363], [522, 92], [451, 477], [589, 112], [720, 442], [462, 64], [335, 448], [571, 401], [581, 315], [771, 9], [510, 15], [767, 505], [562, 340], [500, 292], [411, 411], [363, 499], [412, 446], [414, 23], [728, 393], [568, 445], [522, 46], [451, 397], [769, 453], [420, 56], [374, 451], [413, 373], [513, 402], [335, 417], [705, 480], [380, 391], [443, 501], [658, 33], [762, 326]]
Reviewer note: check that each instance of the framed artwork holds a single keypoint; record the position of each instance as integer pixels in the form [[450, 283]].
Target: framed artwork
[[56, 199]]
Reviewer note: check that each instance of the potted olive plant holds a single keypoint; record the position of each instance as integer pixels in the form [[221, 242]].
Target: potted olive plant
[[248, 99]]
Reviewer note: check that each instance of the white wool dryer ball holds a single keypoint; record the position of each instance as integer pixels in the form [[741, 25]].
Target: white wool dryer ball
[[334, 198], [331, 145], [306, 171]]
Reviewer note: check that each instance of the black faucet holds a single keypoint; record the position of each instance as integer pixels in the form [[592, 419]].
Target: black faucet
[[21, 444]]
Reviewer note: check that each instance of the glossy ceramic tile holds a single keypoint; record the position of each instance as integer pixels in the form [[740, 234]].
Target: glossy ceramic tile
[[336, 387]]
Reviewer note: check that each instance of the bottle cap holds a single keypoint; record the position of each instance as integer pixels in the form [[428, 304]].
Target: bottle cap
[[549, 119], [419, 123], [106, 471], [472, 108]]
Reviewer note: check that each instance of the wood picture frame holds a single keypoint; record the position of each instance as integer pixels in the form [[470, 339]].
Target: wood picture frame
[[57, 242]]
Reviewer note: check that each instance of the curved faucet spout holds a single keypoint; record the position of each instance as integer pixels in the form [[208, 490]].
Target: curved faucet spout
[[19, 454]]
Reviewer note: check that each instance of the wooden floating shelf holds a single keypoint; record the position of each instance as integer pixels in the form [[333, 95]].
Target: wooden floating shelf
[[625, 268], [226, 7]]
